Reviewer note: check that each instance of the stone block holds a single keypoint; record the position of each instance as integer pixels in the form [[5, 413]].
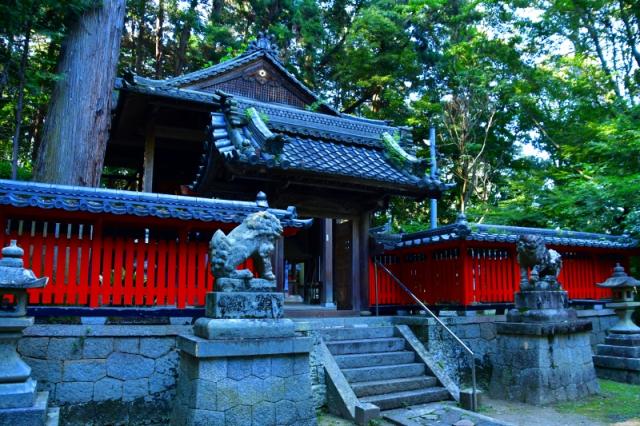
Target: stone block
[[239, 368], [261, 367], [129, 366], [252, 390], [238, 416], [33, 347], [84, 370], [64, 348], [301, 364], [319, 395], [542, 369], [74, 392], [161, 382], [17, 395], [264, 414], [154, 347], [274, 388], [35, 415], [45, 370], [365, 413], [488, 331], [205, 418], [244, 305], [128, 345], [246, 328], [286, 412], [204, 394], [136, 388], [167, 364], [294, 385], [214, 369], [305, 408], [106, 389], [97, 347], [282, 366], [228, 395], [467, 400]]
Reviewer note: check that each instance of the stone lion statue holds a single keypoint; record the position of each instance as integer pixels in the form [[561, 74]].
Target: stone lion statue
[[254, 238], [545, 264]]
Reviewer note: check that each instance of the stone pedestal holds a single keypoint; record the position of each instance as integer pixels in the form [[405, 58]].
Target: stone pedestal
[[20, 403], [244, 372], [619, 358], [543, 353]]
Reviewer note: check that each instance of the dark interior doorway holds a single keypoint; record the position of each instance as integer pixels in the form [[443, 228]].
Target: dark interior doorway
[[302, 256], [343, 264]]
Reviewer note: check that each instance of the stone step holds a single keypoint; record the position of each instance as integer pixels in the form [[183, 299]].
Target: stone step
[[376, 358], [379, 387], [622, 339], [403, 399], [343, 347], [620, 351], [616, 362], [356, 333], [381, 372]]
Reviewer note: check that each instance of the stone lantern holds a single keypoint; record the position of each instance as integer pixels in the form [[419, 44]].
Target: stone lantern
[[20, 403], [624, 290], [619, 357]]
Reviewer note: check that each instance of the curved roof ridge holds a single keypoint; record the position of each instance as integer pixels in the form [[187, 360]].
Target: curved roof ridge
[[507, 233], [123, 202]]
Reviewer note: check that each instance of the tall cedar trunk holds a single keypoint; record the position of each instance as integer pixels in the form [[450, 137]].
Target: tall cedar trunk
[[140, 39], [20, 102], [181, 56], [159, 33], [77, 124]]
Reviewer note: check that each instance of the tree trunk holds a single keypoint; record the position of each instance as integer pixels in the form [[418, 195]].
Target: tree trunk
[[140, 38], [20, 102], [185, 34], [77, 124], [159, 32]]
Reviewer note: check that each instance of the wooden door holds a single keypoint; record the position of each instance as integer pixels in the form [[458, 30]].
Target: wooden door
[[343, 265]]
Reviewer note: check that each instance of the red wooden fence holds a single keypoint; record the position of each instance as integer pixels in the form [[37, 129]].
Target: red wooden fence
[[127, 261], [468, 272]]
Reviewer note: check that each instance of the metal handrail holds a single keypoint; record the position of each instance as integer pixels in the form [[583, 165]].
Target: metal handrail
[[435, 317]]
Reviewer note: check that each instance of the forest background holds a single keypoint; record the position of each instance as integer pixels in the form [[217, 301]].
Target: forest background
[[536, 103]]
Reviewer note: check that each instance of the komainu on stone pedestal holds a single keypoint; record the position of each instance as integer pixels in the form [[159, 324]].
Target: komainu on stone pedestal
[[543, 352], [238, 293], [244, 364]]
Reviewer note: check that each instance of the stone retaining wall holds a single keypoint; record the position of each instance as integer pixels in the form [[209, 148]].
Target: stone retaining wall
[[105, 374]]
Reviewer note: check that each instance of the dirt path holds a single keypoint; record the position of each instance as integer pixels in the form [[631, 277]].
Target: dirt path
[[530, 415]]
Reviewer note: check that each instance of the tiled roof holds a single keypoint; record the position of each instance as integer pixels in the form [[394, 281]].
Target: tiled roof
[[461, 230], [119, 202], [284, 137], [346, 160]]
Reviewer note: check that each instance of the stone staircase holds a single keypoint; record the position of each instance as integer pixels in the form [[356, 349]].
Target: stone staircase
[[381, 368]]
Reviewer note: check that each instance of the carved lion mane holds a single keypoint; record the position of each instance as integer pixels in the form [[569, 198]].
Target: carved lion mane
[[545, 263], [254, 238]]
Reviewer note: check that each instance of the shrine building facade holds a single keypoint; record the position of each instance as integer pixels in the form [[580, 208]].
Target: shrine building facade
[[249, 125]]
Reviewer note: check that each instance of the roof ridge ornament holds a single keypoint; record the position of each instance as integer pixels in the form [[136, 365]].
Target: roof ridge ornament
[[265, 42]]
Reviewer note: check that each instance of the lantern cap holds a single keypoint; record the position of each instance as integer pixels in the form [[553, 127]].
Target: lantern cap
[[619, 279], [13, 275]]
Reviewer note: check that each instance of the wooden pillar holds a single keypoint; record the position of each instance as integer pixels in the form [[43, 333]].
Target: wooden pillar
[[356, 278], [327, 263], [278, 264], [149, 154], [363, 262]]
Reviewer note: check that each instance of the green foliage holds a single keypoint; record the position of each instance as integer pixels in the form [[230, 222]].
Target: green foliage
[[560, 76]]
